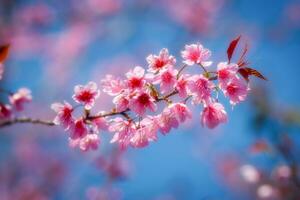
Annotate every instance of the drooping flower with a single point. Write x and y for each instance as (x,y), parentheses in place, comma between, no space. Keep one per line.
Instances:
(135,78)
(64,114)
(123,131)
(23,95)
(182,86)
(145,133)
(112,85)
(89,142)
(78,129)
(86,94)
(141,102)
(167,120)
(213,114)
(201,88)
(121,101)
(5,111)
(236,90)
(100,123)
(167,79)
(226,72)
(181,111)
(196,54)
(157,63)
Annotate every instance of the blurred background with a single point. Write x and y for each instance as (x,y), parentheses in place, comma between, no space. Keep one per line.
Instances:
(58,44)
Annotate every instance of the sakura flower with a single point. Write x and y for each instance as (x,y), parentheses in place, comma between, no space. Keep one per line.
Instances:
(226,72)
(141,102)
(236,90)
(23,95)
(64,114)
(123,131)
(136,78)
(78,129)
(122,102)
(89,142)
(139,139)
(196,54)
(182,86)
(213,115)
(167,79)
(5,111)
(100,123)
(181,111)
(201,88)
(112,85)
(86,94)
(157,63)
(167,120)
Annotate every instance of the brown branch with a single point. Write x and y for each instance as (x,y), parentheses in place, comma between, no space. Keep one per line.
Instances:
(25,120)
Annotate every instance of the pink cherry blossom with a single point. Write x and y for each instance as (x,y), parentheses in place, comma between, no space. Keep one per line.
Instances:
(123,131)
(196,54)
(121,101)
(167,79)
(141,102)
(201,88)
(236,90)
(167,120)
(226,72)
(182,86)
(112,85)
(78,129)
(100,123)
(136,78)
(86,94)
(89,142)
(181,111)
(213,114)
(146,133)
(23,95)
(64,114)
(157,63)
(5,111)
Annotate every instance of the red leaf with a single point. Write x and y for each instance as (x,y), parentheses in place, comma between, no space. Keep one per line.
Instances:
(241,61)
(246,72)
(232,47)
(4,52)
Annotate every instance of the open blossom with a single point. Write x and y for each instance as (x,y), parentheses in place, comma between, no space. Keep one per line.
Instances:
(196,54)
(78,129)
(112,85)
(5,111)
(23,95)
(141,102)
(181,111)
(167,120)
(89,142)
(121,101)
(100,123)
(236,90)
(201,88)
(124,130)
(182,86)
(226,72)
(213,115)
(146,133)
(86,94)
(136,78)
(167,79)
(157,63)
(64,114)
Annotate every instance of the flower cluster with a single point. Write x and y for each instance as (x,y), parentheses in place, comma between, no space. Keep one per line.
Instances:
(137,118)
